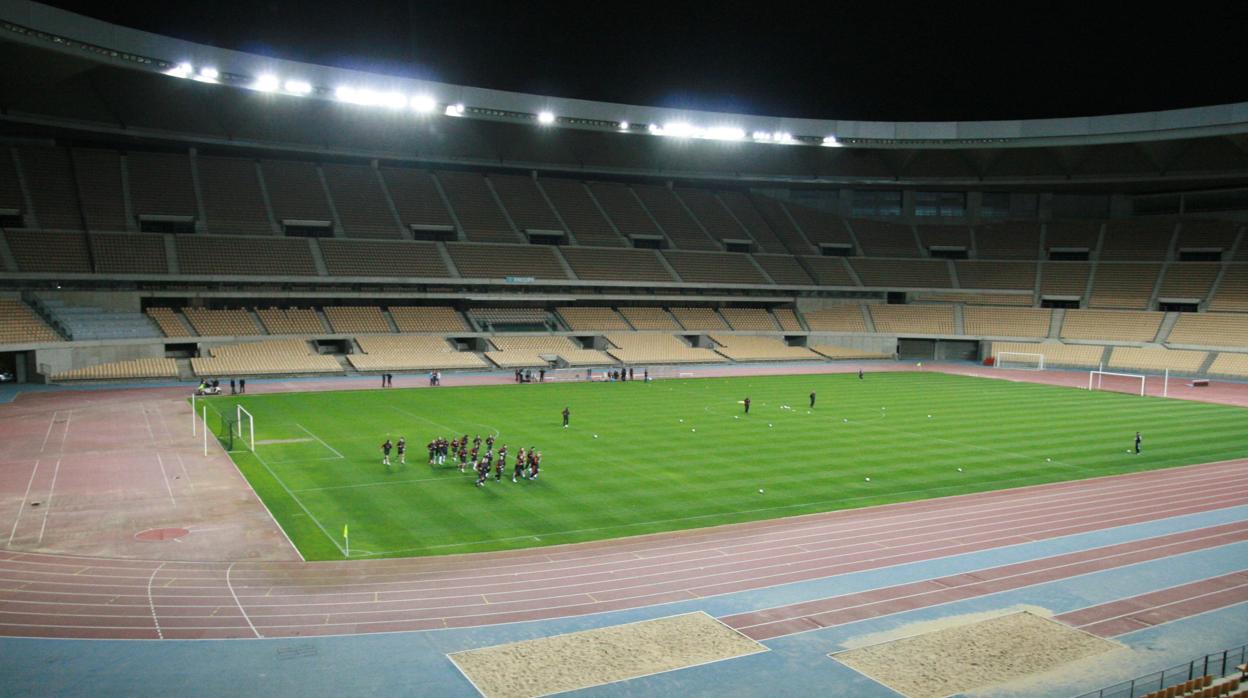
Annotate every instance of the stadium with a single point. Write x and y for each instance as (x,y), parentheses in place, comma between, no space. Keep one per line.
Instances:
(756,404)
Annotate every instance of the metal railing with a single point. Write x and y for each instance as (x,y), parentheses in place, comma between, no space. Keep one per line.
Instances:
(1217,664)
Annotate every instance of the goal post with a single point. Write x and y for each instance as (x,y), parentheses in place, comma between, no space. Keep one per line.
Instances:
(1117,381)
(246,424)
(1021,360)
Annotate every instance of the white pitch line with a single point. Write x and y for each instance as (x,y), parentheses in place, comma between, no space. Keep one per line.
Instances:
(309,433)
(151,603)
(161,463)
(298,501)
(69,417)
(48,504)
(242,610)
(24,498)
(51,423)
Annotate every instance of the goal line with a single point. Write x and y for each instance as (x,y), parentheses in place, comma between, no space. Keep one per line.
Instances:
(1096,380)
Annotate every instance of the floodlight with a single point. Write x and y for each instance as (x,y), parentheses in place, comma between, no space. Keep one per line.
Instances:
(424,104)
(454,110)
(831,142)
(209,73)
(782,137)
(655,129)
(181,70)
(344,94)
(394,100)
(266,83)
(298,87)
(545,117)
(679,129)
(723,133)
(623,126)
(762,136)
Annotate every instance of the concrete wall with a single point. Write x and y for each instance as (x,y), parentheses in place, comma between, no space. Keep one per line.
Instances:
(111,300)
(863,342)
(58,359)
(805,304)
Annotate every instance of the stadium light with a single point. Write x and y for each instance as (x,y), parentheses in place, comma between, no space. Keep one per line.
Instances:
(393,100)
(298,87)
(181,70)
(454,110)
(678,129)
(724,133)
(623,126)
(545,117)
(209,73)
(266,83)
(424,104)
(831,142)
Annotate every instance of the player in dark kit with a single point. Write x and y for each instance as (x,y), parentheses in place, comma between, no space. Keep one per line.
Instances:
(812,398)
(500,464)
(385,452)
(463,457)
(566,413)
(432,446)
(401,447)
(536,465)
(1138,439)
(483,470)
(489,442)
(476,441)
(747,405)
(519,471)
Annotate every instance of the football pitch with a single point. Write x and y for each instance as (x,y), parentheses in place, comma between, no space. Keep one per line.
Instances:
(676,454)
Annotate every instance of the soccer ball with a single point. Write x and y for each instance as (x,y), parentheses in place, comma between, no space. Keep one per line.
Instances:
(595,436)
(929,416)
(693,430)
(760,491)
(682,421)
(845,420)
(867,479)
(959,470)
(1048,460)
(769,425)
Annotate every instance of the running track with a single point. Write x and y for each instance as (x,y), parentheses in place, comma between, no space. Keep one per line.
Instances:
(61,596)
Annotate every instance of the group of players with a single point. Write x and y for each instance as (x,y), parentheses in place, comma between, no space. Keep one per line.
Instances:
(528,463)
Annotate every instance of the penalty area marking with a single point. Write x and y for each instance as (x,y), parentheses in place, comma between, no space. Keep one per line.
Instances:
(320,441)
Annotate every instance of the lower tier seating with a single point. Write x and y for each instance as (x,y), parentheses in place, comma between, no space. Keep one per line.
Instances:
(836,318)
(760,348)
(20,325)
(839,353)
(1154,360)
(658,349)
(1230,364)
(222,323)
(1111,325)
(118,370)
(757,319)
(525,352)
(699,319)
(593,319)
(411,353)
(649,318)
(428,319)
(291,321)
(357,319)
(273,356)
(169,322)
(1210,329)
(1074,355)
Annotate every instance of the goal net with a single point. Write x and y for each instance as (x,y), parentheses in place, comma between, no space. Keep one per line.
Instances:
(1132,383)
(1020,360)
(245,428)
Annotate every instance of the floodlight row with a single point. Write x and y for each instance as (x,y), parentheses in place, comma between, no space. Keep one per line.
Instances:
(428,104)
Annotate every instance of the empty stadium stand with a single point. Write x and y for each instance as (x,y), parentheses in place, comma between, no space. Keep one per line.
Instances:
(1006,322)
(1137,240)
(828,271)
(411,353)
(819,227)
(129,253)
(714,267)
(1230,364)
(1112,325)
(1013,240)
(755,319)
(478,261)
(80,322)
(913,319)
(525,203)
(272,356)
(512,319)
(20,325)
(170,322)
(784,270)
(219,255)
(780,222)
(1055,354)
(416,198)
(646,348)
(353,319)
(581,215)
(836,318)
(895,273)
(161,184)
(649,318)
(699,319)
(118,370)
(526,352)
(787,320)
(1067,279)
(50,180)
(884,239)
(98,174)
(1210,329)
(10,186)
(231,194)
(49,251)
(711,213)
(382,258)
(1197,234)
(996,274)
(624,209)
(1187,280)
(234,322)
(479,214)
(295,191)
(360,202)
(742,209)
(593,319)
(670,213)
(1232,292)
(947,236)
(428,319)
(1008,299)
(760,348)
(1126,286)
(1071,235)
(616,264)
(291,321)
(839,353)
(1154,360)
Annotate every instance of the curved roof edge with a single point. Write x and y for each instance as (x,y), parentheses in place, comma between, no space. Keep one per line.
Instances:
(51,28)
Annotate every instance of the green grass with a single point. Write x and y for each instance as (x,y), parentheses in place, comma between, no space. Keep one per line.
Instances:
(648,471)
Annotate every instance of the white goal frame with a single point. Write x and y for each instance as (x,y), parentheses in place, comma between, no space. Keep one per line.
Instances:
(248,437)
(1000,355)
(1098,377)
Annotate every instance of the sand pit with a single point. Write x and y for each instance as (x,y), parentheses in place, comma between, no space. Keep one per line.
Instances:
(973,655)
(593,657)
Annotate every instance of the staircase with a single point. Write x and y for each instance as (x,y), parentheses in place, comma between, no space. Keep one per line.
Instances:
(184,370)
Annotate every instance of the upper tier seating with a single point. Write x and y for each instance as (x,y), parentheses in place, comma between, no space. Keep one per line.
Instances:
(996,275)
(819,226)
(715,219)
(580,214)
(476,261)
(1014,299)
(222,323)
(1064,278)
(522,352)
(169,322)
(593,319)
(1077,355)
(1206,234)
(742,208)
(787,320)
(699,319)
(1153,360)
(671,214)
(774,213)
(382,258)
(490,318)
(643,348)
(291,321)
(1210,329)
(295,191)
(1188,280)
(784,270)
(1112,325)
(50,182)
(828,271)
(839,353)
(42,250)
(98,173)
(1229,364)
(161,184)
(898,273)
(411,353)
(836,318)
(428,319)
(1071,235)
(1013,240)
(649,318)
(129,253)
(883,239)
(476,209)
(272,356)
(1232,292)
(354,319)
(228,256)
(20,325)
(416,197)
(10,185)
(912,319)
(360,202)
(232,200)
(91,323)
(714,267)
(622,206)
(616,264)
(1126,286)
(1137,239)
(119,370)
(944,236)
(760,348)
(755,319)
(525,203)
(1006,322)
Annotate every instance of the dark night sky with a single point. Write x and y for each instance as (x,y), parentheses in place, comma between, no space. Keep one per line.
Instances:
(878,61)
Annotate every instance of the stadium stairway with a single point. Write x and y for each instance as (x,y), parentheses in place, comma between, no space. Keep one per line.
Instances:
(1055,323)
(394,326)
(1208,364)
(185,373)
(1167,324)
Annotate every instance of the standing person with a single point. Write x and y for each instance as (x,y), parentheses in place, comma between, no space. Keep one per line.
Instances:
(860,374)
(232,386)
(1138,439)
(519,465)
(541,375)
(812,398)
(535,466)
(401,447)
(463,455)
(630,373)
(483,470)
(645,376)
(566,413)
(747,405)
(385,452)
(499,464)
(242,385)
